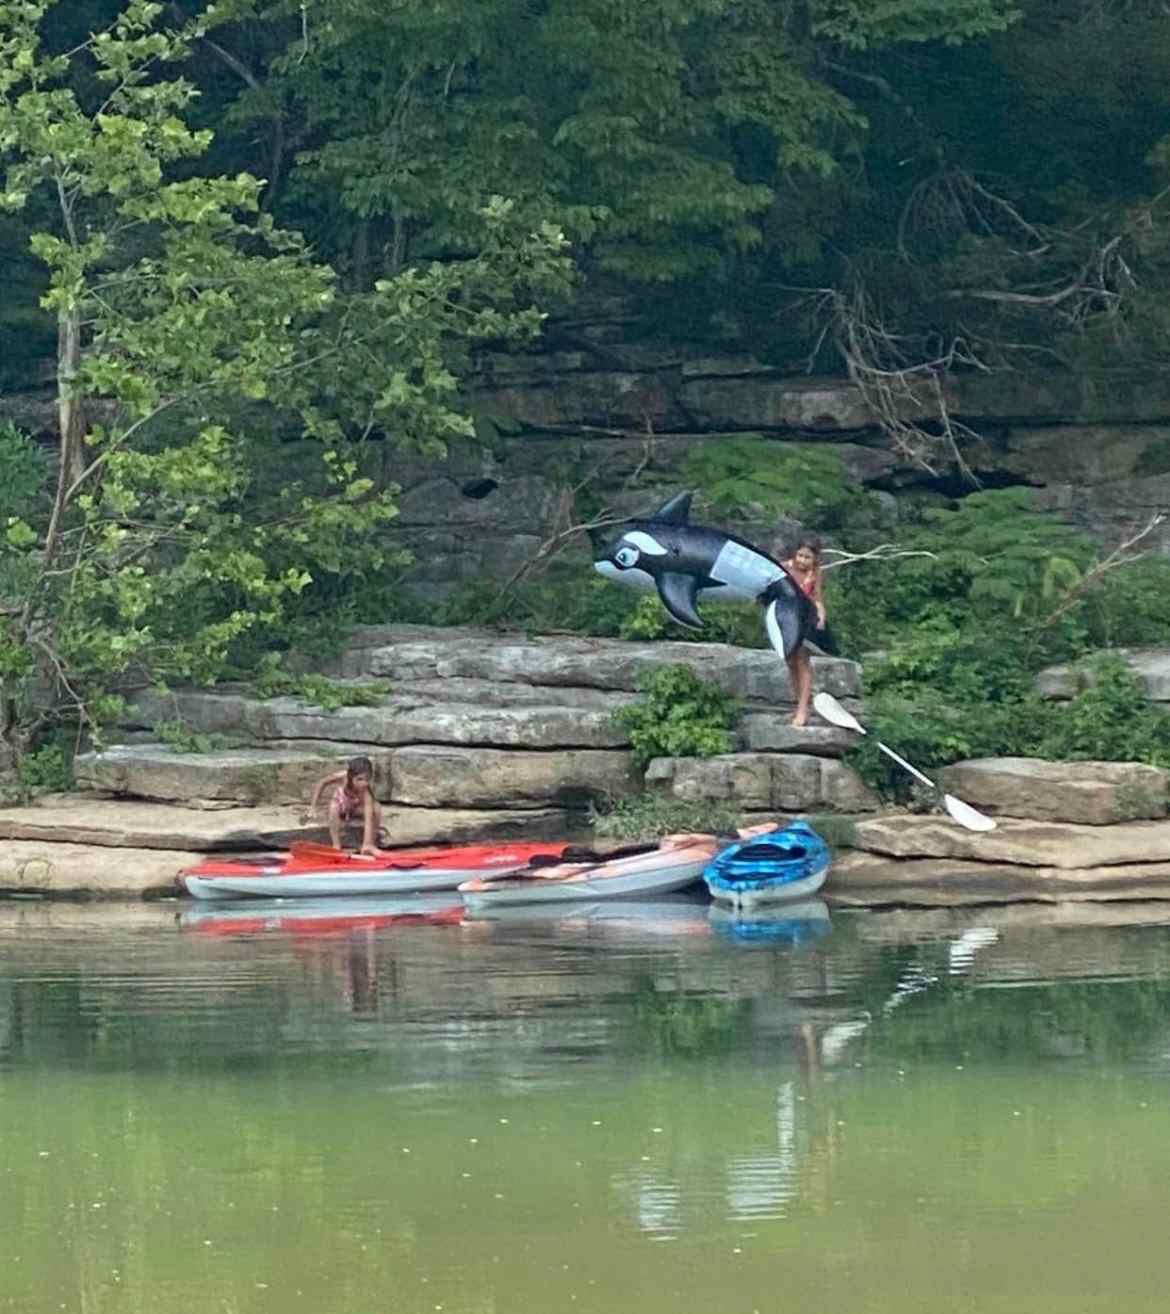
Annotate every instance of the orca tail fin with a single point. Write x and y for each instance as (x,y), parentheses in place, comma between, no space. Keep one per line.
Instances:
(785,624)
(772,626)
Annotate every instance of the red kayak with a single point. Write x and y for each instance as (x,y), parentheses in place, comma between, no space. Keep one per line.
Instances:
(310,871)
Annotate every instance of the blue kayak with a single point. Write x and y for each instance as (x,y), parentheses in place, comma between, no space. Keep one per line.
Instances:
(768,869)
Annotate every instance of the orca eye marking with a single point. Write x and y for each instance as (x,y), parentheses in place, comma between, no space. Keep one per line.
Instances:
(625,557)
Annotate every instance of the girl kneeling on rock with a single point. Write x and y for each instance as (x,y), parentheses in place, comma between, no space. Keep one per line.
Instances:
(353,801)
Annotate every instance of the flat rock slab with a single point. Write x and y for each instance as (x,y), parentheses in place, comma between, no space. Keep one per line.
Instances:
(869,880)
(1087,793)
(498,693)
(1151,666)
(89,871)
(1018,843)
(397,720)
(422,775)
(438,776)
(773,782)
(772,732)
(248,776)
(467,825)
(570,662)
(119,823)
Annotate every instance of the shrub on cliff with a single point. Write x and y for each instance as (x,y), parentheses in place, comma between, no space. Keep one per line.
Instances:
(1111,720)
(677,714)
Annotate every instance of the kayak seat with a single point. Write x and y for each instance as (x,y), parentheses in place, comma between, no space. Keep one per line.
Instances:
(580,853)
(770,853)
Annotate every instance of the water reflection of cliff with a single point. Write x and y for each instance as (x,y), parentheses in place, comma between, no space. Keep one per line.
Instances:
(593,983)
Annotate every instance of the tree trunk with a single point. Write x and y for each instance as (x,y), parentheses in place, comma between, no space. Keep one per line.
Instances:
(361,256)
(70,411)
(71,433)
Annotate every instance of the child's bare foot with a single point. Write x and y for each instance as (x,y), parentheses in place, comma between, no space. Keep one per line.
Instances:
(800,720)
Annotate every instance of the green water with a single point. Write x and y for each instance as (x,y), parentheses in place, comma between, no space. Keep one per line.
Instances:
(597,1110)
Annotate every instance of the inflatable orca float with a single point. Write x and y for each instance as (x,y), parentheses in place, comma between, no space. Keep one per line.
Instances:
(682,561)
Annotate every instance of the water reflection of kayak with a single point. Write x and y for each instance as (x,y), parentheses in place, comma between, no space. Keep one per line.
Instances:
(323,916)
(677,915)
(790,923)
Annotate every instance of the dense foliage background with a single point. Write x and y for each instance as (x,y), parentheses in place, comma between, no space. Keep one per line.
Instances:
(245,237)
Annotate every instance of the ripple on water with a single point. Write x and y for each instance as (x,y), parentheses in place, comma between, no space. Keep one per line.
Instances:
(913,1111)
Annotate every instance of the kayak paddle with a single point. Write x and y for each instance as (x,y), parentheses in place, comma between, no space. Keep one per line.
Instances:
(963,813)
(315,852)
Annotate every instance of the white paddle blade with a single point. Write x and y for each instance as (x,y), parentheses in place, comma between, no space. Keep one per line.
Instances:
(967,816)
(828,707)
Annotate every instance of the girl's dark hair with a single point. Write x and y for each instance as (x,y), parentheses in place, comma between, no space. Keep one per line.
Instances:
(783,552)
(358,766)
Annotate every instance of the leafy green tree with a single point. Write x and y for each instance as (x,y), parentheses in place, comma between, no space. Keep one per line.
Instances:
(749,476)
(196,339)
(669,135)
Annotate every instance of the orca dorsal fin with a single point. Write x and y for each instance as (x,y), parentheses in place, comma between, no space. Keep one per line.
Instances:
(674,511)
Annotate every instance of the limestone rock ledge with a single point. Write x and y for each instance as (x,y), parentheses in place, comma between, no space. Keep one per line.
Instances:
(81,820)
(763,782)
(477,720)
(1017,843)
(489,736)
(869,880)
(417,775)
(35,867)
(411,654)
(1087,793)
(1151,667)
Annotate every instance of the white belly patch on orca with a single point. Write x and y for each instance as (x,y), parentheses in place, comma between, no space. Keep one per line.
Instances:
(635,578)
(744,569)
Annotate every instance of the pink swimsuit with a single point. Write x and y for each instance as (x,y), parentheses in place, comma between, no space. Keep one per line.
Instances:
(346,804)
(806,584)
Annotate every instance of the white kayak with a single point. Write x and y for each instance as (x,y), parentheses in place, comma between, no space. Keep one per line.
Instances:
(677,862)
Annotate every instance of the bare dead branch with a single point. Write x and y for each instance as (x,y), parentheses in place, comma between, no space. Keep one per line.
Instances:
(551,547)
(648,445)
(1122,555)
(904,387)
(952,202)
(883,552)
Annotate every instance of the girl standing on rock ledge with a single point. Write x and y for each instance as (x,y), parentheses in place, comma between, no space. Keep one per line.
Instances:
(804,565)
(352,798)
